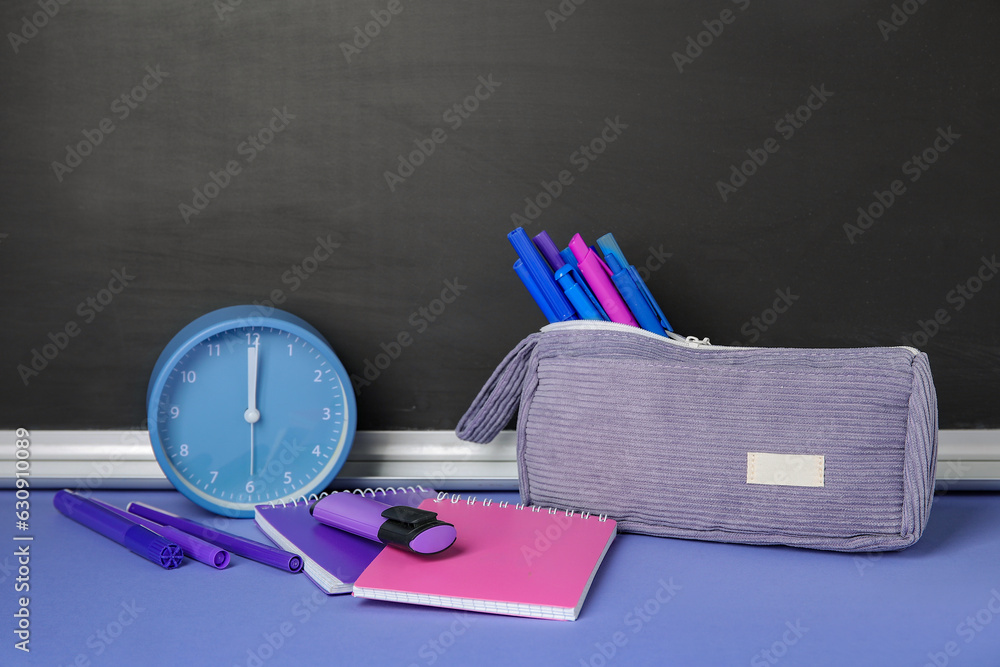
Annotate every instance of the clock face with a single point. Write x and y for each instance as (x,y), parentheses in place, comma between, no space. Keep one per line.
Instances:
(250,415)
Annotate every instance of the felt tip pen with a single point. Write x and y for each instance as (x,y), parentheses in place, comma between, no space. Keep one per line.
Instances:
(539,272)
(633,288)
(549,251)
(240,546)
(598,277)
(587,306)
(529,282)
(128,533)
(410,528)
(198,549)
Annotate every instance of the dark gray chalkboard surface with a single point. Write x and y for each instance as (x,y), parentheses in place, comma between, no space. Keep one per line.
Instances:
(784,173)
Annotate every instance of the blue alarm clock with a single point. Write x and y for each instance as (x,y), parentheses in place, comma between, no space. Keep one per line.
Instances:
(245,409)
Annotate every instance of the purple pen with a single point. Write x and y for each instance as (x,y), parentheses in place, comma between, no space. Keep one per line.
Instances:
(238,545)
(194,547)
(125,532)
(411,528)
(549,251)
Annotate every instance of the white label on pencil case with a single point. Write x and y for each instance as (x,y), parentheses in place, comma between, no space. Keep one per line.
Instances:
(784,469)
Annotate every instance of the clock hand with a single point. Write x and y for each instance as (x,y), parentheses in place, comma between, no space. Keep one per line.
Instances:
(252,414)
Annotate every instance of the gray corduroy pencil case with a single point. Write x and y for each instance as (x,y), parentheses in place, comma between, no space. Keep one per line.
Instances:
(819,448)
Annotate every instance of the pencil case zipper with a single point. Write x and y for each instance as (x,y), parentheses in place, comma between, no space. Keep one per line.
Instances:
(690,342)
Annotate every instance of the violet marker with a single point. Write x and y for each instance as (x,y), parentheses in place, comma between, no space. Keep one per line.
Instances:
(196,548)
(128,533)
(238,545)
(410,528)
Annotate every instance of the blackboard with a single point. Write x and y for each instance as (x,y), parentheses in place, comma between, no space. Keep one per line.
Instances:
(783,173)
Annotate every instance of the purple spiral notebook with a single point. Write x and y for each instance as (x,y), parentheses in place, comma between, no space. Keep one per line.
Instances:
(333,559)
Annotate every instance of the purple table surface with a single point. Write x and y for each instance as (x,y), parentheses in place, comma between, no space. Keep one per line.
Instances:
(654,601)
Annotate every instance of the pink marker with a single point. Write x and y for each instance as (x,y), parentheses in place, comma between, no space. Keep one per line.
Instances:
(597,274)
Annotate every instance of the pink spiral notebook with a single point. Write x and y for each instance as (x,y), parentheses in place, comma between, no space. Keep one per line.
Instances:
(508,559)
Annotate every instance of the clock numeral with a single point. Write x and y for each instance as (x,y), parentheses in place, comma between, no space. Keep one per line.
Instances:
(253,338)
(188,377)
(319,376)
(175,412)
(215,473)
(289,349)
(214,350)
(316,451)
(184,449)
(249,486)
(326,414)
(288,478)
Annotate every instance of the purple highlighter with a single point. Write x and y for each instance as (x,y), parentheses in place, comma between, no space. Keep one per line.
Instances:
(410,528)
(125,532)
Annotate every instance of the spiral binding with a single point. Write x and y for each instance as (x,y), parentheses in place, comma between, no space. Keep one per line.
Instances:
(385,491)
(457,498)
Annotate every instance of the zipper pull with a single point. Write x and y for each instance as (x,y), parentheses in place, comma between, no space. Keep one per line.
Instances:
(690,341)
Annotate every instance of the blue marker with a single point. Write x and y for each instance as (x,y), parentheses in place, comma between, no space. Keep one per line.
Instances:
(529,282)
(579,294)
(557,308)
(632,288)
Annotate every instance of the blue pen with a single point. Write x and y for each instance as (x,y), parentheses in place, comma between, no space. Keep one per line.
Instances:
(540,274)
(579,294)
(529,282)
(568,257)
(633,290)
